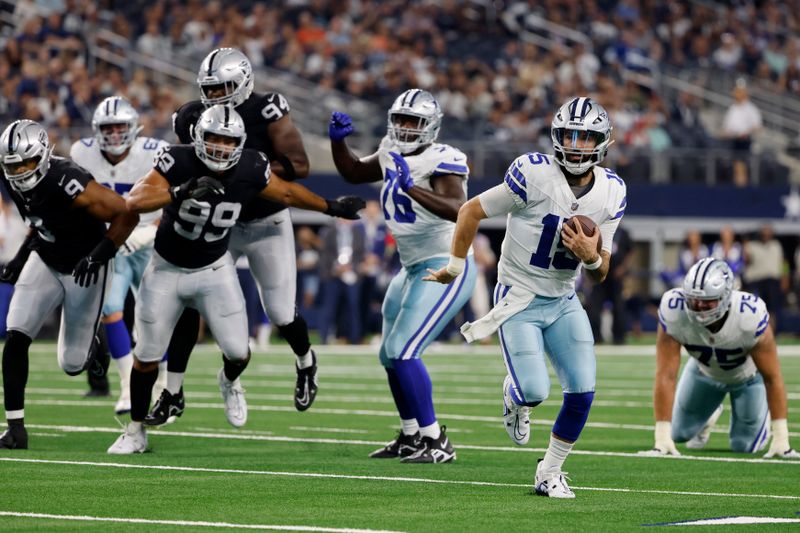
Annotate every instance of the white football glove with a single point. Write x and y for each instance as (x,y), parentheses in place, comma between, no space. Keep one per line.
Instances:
(664,443)
(138,239)
(779,447)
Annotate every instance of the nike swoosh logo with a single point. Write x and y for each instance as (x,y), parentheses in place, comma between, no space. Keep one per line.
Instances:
(304,399)
(217,267)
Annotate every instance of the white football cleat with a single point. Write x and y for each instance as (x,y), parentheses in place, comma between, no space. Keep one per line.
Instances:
(133,440)
(699,441)
(233,396)
(551,484)
(516,417)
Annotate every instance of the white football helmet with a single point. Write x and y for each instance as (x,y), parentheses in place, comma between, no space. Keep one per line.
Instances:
(226,68)
(115,110)
(21,141)
(220,120)
(422,106)
(579,119)
(708,280)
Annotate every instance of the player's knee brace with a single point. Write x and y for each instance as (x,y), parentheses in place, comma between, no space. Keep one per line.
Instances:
(573,415)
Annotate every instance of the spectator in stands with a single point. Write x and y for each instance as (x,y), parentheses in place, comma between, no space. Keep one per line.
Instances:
(692,251)
(742,121)
(728,250)
(764,270)
(308,246)
(486,262)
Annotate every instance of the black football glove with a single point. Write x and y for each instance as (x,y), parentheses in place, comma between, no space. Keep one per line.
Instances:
(10,273)
(87,271)
(196,188)
(345,207)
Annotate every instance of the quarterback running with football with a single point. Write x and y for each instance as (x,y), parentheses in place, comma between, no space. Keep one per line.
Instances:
(116,156)
(733,352)
(424,185)
(203,188)
(536,309)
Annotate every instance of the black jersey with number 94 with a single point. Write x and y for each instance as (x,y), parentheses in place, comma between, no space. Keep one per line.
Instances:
(194,233)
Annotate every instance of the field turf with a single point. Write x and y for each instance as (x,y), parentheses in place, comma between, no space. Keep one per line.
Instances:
(310,472)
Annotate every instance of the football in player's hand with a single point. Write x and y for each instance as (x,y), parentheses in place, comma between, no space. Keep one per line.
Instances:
(587,225)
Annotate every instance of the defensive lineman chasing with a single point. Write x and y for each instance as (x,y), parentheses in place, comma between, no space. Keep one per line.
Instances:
(202,188)
(63,261)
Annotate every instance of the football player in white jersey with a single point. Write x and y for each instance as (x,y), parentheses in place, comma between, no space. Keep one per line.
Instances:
(117,157)
(424,185)
(536,310)
(732,349)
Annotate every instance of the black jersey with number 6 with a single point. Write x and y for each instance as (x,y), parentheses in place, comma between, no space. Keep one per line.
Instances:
(64,234)
(258,111)
(195,233)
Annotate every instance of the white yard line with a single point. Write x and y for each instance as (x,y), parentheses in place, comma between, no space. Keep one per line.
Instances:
(191,523)
(320,475)
(222,434)
(360,412)
(732,520)
(436,349)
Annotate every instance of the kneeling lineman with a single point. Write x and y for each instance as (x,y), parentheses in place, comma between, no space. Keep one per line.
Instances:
(732,349)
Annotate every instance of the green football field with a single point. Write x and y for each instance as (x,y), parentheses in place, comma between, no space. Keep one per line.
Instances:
(310,472)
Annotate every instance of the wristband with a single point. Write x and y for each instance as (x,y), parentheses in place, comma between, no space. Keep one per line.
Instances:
(594,266)
(663,430)
(780,434)
(456,265)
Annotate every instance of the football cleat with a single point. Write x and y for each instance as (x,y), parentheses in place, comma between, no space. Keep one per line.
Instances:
(551,484)
(97,362)
(433,450)
(699,441)
(233,396)
(516,417)
(14,438)
(166,410)
(403,446)
(133,440)
(305,390)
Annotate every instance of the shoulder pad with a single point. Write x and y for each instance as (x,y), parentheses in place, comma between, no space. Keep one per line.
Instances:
(672,310)
(273,107)
(752,311)
(448,160)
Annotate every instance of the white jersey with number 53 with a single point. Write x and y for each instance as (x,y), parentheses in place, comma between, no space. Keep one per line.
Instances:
(420,234)
(122,176)
(538,201)
(723,355)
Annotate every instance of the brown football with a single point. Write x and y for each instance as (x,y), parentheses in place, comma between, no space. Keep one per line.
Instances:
(588,226)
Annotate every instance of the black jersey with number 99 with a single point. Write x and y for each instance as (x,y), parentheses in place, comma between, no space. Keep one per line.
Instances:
(194,233)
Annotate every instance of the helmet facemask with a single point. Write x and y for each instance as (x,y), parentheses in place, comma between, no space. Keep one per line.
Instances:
(229,72)
(581,134)
(25,154)
(115,124)
(709,281)
(415,119)
(217,154)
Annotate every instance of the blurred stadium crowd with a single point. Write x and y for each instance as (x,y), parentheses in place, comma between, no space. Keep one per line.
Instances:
(492,84)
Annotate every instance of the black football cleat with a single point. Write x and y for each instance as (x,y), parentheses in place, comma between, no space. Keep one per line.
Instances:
(433,450)
(168,407)
(305,390)
(403,446)
(14,438)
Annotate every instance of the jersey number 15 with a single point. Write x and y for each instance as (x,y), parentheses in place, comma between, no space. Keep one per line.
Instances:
(541,257)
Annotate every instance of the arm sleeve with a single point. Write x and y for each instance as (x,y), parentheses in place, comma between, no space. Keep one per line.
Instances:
(497,201)
(607,230)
